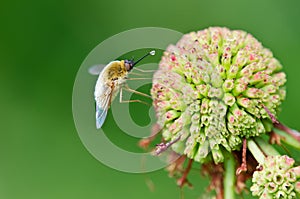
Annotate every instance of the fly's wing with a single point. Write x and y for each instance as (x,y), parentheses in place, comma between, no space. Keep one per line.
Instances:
(96,69)
(102,105)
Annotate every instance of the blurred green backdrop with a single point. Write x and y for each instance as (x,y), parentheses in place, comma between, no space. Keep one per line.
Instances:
(43,43)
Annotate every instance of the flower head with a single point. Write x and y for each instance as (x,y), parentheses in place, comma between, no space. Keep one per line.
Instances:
(212,90)
(277,179)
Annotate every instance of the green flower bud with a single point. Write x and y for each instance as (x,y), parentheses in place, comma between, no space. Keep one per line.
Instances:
(215,83)
(277,179)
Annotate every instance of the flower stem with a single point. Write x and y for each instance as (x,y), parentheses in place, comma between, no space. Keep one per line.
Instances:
(266,147)
(183,180)
(243,167)
(287,138)
(229,177)
(295,134)
(256,152)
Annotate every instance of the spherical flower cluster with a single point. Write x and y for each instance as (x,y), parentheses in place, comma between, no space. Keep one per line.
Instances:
(277,179)
(214,88)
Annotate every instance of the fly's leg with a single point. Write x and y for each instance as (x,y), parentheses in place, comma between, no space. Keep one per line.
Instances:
(138,78)
(136,92)
(137,74)
(144,71)
(129,101)
(148,72)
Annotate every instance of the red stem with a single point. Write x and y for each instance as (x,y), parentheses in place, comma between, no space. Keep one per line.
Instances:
(183,180)
(243,166)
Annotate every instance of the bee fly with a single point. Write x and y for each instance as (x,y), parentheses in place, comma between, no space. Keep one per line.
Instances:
(111,80)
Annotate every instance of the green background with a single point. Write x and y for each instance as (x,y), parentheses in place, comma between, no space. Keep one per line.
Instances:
(42,45)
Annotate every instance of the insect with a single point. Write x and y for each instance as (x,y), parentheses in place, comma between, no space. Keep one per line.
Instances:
(111,80)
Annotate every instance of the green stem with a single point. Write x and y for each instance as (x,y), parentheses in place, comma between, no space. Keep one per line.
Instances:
(229,177)
(287,138)
(266,147)
(256,152)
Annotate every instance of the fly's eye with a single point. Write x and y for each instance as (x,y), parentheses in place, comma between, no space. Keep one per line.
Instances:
(127,66)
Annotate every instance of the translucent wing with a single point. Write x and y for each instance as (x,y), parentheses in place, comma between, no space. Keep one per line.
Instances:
(96,69)
(102,105)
